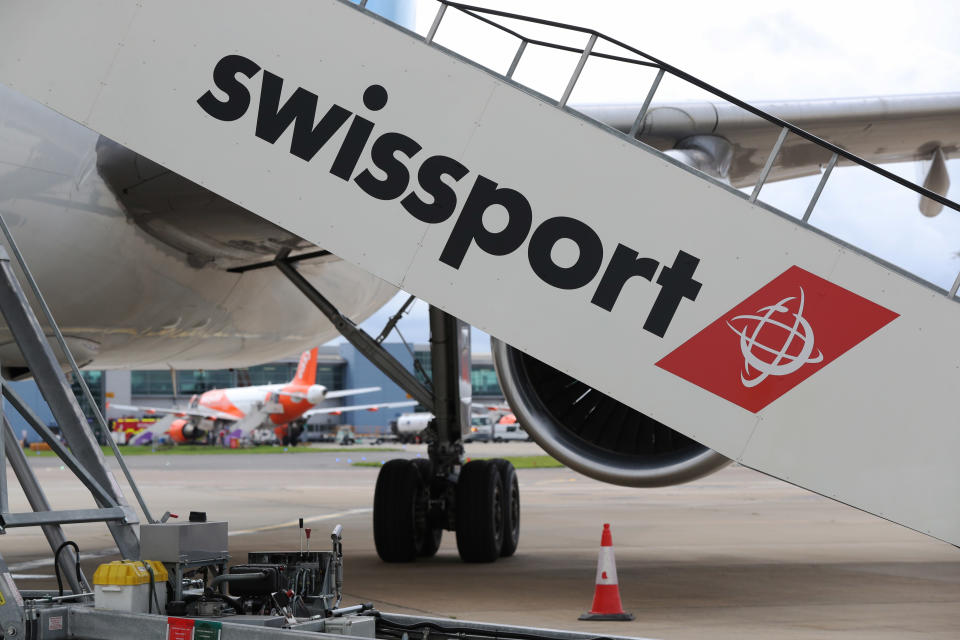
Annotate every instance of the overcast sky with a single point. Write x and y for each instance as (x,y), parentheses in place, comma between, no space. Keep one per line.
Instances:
(755,50)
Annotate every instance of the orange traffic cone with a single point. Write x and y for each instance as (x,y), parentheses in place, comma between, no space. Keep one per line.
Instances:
(606,598)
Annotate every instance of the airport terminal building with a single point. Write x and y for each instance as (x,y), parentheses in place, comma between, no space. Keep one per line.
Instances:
(338,367)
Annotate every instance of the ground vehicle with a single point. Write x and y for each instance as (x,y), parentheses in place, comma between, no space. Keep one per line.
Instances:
(345,436)
(263,436)
(504,432)
(481,429)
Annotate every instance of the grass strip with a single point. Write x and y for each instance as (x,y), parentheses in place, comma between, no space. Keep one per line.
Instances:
(202,449)
(520,462)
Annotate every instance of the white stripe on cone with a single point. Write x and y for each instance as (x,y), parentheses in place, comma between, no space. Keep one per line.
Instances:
(606,567)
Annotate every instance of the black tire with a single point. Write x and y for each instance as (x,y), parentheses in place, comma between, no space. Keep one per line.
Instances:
(399,511)
(431,536)
(511,506)
(479,512)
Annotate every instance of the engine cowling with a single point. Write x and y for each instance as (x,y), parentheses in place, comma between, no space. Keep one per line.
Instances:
(316,393)
(591,432)
(182,431)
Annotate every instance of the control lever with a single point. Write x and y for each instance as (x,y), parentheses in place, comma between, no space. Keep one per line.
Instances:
(281,601)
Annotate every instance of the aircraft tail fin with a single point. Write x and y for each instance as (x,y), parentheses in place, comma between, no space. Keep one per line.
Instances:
(307,369)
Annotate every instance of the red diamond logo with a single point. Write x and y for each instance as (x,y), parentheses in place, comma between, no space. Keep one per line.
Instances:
(776,338)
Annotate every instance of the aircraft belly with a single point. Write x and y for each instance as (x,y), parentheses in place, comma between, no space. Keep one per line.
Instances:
(125,298)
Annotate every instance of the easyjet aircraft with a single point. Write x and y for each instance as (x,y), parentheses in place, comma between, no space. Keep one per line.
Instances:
(240,410)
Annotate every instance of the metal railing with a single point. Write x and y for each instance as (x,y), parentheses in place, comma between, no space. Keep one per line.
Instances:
(663,68)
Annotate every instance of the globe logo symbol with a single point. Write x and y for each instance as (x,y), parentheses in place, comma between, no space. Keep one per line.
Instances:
(763,360)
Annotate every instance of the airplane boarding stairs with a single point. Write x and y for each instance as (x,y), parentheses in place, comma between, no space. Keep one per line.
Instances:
(746,329)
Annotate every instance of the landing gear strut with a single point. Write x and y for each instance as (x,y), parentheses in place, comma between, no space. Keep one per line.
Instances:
(479,500)
(415,500)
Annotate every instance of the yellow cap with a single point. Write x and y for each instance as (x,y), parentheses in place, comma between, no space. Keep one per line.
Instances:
(124,572)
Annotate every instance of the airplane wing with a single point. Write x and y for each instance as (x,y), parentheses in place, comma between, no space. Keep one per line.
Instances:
(350,392)
(197,412)
(332,394)
(878,129)
(359,407)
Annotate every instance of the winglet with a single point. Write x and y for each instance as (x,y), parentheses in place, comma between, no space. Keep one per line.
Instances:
(307,369)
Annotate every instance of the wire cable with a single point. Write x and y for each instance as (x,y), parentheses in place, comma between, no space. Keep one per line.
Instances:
(56,563)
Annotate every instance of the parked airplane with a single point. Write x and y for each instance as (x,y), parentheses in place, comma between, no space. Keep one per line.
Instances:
(158,250)
(240,410)
(136,260)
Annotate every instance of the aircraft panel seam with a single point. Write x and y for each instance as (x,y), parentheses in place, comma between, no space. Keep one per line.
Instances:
(463,152)
(113,61)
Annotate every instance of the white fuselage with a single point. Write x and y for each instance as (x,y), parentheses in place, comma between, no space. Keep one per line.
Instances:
(279,403)
(123,298)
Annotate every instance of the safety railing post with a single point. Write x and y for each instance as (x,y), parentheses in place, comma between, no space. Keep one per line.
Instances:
(769,165)
(436,22)
(516,58)
(820,185)
(956,285)
(635,129)
(578,70)
(4,503)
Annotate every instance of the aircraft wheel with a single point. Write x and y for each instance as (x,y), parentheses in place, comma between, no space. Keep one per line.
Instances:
(479,512)
(511,506)
(431,536)
(295,431)
(399,511)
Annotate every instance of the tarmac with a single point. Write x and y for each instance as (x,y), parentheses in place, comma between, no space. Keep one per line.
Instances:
(734,555)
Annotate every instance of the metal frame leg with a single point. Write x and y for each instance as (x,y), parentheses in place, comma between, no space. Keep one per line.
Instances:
(38,502)
(53,385)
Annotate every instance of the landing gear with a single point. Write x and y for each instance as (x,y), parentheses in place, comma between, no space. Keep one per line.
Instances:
(511,507)
(412,505)
(400,504)
(432,530)
(416,500)
(294,431)
(479,512)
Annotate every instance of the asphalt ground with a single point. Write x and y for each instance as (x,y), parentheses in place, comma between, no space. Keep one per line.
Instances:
(734,555)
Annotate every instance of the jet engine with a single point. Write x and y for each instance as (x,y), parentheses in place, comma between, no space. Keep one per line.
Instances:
(182,431)
(316,393)
(591,432)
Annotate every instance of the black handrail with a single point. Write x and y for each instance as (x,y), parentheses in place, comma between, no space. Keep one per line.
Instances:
(550,45)
(473,10)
